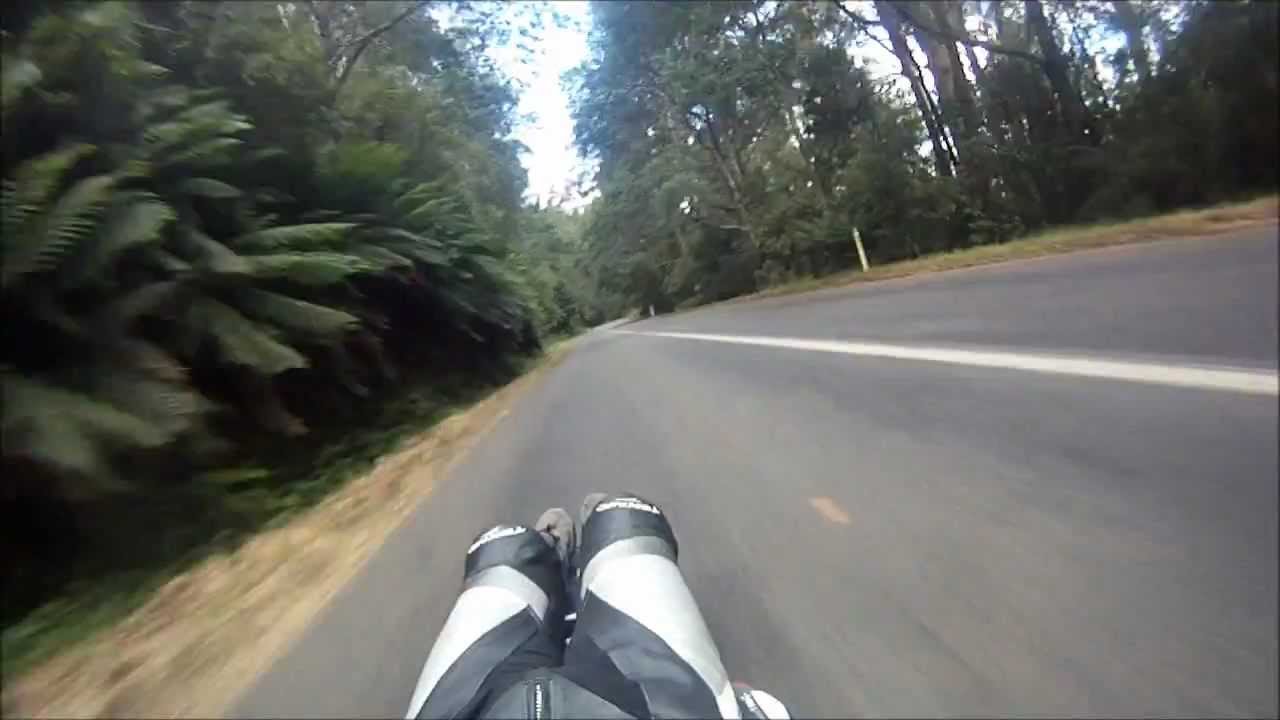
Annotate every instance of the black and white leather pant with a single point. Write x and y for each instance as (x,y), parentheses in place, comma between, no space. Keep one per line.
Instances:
(640,647)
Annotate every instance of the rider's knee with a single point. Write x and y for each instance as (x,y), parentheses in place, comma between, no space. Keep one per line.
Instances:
(623,526)
(518,559)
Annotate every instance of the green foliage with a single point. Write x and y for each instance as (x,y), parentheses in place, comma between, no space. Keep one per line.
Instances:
(222,230)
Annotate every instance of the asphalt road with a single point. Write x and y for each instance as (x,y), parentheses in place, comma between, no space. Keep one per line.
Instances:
(874,536)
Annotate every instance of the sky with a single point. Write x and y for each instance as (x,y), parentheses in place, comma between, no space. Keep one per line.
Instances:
(553,163)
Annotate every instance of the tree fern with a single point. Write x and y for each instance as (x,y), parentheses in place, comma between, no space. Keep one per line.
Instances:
(70,430)
(297,316)
(240,340)
(313,268)
(242,289)
(299,237)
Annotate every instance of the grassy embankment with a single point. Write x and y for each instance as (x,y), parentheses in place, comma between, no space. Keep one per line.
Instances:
(1053,241)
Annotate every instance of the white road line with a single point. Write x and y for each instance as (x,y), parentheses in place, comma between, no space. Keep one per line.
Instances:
(1252,382)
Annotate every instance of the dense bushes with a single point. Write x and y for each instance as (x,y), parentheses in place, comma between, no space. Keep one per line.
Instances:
(224,229)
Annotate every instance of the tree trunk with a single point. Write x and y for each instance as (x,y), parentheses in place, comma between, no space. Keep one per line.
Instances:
(892,24)
(949,18)
(1075,115)
(792,97)
(1009,32)
(955,94)
(1132,25)
(999,118)
(731,173)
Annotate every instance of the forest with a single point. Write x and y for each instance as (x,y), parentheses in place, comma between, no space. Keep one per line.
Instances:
(237,235)
(741,143)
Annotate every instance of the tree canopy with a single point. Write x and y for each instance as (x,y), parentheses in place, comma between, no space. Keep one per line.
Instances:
(740,143)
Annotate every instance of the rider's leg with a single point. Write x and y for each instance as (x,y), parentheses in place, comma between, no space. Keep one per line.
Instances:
(640,639)
(508,619)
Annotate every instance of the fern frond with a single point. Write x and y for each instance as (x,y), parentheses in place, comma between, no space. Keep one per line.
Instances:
(208,187)
(15,78)
(423,254)
(310,268)
(240,340)
(312,235)
(113,319)
(266,154)
(207,119)
(211,256)
(167,261)
(127,225)
(209,152)
(68,430)
(40,244)
(412,245)
(406,236)
(433,212)
(295,315)
(162,99)
(316,216)
(418,194)
(272,195)
(380,256)
(36,180)
(170,407)
(148,360)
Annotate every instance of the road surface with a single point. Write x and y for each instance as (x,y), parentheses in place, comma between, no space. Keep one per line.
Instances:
(876,535)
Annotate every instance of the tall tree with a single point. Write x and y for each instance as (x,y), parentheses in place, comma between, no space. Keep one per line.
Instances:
(1132,23)
(1079,121)
(891,19)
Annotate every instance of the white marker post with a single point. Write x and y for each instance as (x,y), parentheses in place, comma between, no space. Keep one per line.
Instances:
(862,254)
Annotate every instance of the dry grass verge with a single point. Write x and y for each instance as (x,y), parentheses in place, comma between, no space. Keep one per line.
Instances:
(199,640)
(1186,223)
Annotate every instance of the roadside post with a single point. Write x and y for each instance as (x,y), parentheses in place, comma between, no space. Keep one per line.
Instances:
(862,254)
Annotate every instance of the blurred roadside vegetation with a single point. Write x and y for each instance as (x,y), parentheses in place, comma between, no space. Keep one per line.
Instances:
(247,248)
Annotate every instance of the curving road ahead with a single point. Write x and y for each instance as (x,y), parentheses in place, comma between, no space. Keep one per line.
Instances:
(895,528)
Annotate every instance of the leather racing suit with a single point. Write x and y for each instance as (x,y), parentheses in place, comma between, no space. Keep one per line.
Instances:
(640,647)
